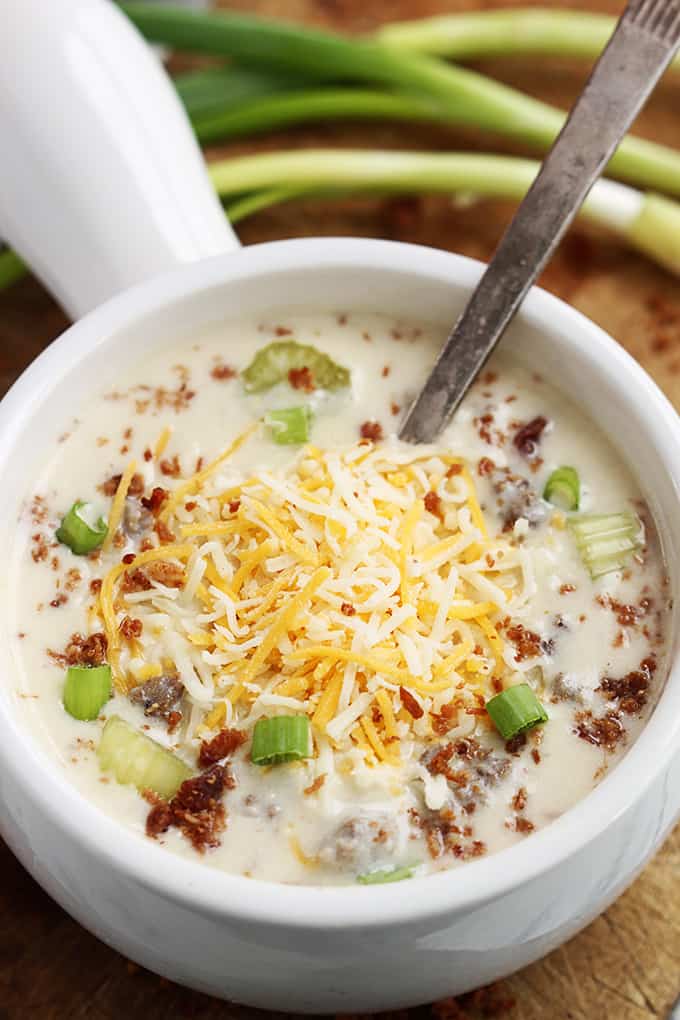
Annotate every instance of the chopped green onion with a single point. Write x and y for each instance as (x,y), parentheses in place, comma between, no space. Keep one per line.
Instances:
(563,488)
(606,541)
(86,691)
(80,531)
(290,425)
(280,739)
(137,760)
(385,876)
(516,710)
(272,364)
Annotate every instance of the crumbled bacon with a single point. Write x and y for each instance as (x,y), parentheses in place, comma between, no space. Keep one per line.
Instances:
(527,643)
(196,809)
(155,501)
(169,574)
(170,466)
(605,731)
(529,436)
(234,506)
(519,801)
(410,703)
(221,746)
(222,372)
(632,690)
(130,628)
(433,503)
(95,585)
(523,825)
(302,379)
(165,534)
(110,486)
(371,430)
(485,466)
(80,651)
(134,580)
(40,550)
(347,609)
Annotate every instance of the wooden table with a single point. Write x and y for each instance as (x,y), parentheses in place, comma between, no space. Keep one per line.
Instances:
(626,965)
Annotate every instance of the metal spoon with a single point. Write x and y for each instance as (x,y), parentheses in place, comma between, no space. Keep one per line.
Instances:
(643,44)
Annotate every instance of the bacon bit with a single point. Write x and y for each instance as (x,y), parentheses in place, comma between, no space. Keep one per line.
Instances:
(516,744)
(155,501)
(395,408)
(443,722)
(455,469)
(221,746)
(410,704)
(196,809)
(605,731)
(191,505)
(302,379)
(199,464)
(80,651)
(129,558)
(135,581)
(222,372)
(170,574)
(433,503)
(347,609)
(528,437)
(95,585)
(40,550)
(632,690)
(234,506)
(566,589)
(164,533)
(171,467)
(527,642)
(536,755)
(519,801)
(385,371)
(371,430)
(60,600)
(524,826)
(341,320)
(148,455)
(283,331)
(485,466)
(130,628)
(315,786)
(110,486)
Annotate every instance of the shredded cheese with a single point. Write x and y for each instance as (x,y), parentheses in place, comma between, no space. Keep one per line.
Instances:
(118,505)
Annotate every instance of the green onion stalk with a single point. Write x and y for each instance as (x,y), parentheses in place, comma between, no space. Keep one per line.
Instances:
(521,32)
(649,223)
(471,98)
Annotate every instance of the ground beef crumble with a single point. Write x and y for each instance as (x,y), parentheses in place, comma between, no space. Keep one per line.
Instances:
(160,697)
(197,809)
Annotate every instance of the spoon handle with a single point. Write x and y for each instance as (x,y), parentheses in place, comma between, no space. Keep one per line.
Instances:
(639,51)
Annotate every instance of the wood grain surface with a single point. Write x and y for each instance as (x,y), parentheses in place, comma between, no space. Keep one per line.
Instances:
(626,965)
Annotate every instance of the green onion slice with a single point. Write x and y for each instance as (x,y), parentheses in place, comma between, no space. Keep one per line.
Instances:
(385,876)
(563,488)
(272,364)
(86,690)
(606,541)
(137,760)
(280,739)
(80,530)
(290,425)
(516,710)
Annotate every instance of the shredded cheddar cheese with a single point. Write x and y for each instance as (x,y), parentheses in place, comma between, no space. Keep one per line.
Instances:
(324,588)
(118,505)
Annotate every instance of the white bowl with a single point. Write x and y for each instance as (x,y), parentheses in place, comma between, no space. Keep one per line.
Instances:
(319,949)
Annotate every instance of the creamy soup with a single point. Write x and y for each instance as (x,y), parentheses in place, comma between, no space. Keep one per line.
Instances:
(297,649)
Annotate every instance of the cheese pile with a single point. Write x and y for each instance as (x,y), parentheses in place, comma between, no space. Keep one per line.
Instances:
(328,588)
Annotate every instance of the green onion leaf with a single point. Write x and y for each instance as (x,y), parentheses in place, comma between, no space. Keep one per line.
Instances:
(385,876)
(137,760)
(280,739)
(80,531)
(86,691)
(272,364)
(516,710)
(563,488)
(606,541)
(290,425)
